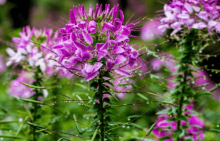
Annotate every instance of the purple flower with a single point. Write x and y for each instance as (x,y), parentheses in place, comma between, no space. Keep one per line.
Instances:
(191,14)
(32,53)
(150,30)
(165,127)
(96,35)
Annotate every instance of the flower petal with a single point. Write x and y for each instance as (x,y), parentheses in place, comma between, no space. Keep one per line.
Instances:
(122,72)
(87,37)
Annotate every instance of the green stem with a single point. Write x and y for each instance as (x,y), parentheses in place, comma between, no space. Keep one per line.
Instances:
(37,82)
(181,103)
(102,110)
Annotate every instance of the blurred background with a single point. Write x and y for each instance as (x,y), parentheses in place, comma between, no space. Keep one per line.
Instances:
(15,14)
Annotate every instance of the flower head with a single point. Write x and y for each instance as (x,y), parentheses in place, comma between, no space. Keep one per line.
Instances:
(33,46)
(96,37)
(165,127)
(191,14)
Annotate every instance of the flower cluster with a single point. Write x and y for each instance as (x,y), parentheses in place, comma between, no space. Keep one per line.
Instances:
(95,40)
(191,14)
(18,89)
(194,125)
(33,47)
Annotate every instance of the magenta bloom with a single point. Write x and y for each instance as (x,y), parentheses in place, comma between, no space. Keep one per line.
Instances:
(18,89)
(99,36)
(166,128)
(191,14)
(150,30)
(32,47)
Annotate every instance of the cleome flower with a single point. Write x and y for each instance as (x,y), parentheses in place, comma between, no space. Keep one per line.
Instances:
(95,40)
(166,127)
(191,14)
(33,46)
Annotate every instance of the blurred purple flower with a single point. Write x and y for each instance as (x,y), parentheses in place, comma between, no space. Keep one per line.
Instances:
(18,89)
(191,14)
(33,46)
(150,30)
(165,127)
(2,64)
(2,2)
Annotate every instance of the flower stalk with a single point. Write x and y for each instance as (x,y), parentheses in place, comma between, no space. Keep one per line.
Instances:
(183,92)
(36,96)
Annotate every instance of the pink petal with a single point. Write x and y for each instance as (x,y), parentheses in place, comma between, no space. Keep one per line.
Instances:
(97,66)
(119,59)
(122,72)
(118,50)
(121,38)
(87,37)
(58,46)
(91,76)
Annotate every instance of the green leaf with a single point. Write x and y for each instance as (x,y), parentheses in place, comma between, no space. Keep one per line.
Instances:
(76,123)
(182,134)
(5,122)
(94,135)
(32,86)
(107,74)
(32,101)
(137,126)
(188,139)
(164,138)
(154,77)
(124,84)
(150,129)
(6,136)
(143,97)
(82,86)
(35,125)
(133,116)
(165,111)
(215,130)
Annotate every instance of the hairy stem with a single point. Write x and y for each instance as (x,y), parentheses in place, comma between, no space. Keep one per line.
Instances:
(102,110)
(181,106)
